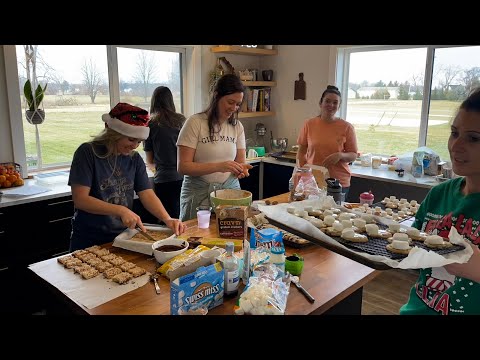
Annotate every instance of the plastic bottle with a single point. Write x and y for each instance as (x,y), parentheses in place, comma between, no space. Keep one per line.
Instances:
(230,266)
(277,258)
(334,189)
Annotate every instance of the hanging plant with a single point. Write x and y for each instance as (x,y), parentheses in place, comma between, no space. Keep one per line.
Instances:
(34,114)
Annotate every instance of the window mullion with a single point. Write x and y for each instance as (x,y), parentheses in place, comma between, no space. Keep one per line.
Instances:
(422,136)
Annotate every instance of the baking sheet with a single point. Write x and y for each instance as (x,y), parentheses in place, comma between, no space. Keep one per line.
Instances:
(124,240)
(417,258)
(89,293)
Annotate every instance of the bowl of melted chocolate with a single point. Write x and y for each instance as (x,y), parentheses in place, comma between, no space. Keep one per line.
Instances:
(166,249)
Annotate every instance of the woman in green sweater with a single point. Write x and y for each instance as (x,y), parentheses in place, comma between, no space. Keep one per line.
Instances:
(455,288)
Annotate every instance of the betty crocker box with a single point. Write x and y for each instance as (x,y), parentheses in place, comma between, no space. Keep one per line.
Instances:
(205,285)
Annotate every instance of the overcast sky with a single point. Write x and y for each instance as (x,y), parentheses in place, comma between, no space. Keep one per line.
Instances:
(400,65)
(67,60)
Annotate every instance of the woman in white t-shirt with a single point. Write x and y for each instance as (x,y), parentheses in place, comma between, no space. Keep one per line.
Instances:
(211,147)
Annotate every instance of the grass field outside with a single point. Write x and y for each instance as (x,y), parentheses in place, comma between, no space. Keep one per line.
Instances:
(382,126)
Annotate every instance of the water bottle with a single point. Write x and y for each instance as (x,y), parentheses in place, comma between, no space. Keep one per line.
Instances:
(334,189)
(232,276)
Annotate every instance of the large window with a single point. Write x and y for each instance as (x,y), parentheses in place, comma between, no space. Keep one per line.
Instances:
(400,98)
(84,82)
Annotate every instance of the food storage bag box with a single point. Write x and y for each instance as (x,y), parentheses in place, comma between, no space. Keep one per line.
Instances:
(205,285)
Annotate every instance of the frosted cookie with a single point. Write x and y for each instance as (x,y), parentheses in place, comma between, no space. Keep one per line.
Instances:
(391,205)
(368,218)
(291,209)
(335,229)
(350,235)
(394,228)
(317,223)
(301,213)
(317,213)
(308,209)
(359,224)
(400,237)
(436,242)
(374,232)
(399,247)
(329,220)
(416,234)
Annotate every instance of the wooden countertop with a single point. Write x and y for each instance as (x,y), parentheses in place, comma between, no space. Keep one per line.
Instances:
(328,276)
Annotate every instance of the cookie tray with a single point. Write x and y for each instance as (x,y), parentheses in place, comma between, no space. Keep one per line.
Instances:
(373,246)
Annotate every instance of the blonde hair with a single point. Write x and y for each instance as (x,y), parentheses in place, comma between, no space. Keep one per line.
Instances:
(108,138)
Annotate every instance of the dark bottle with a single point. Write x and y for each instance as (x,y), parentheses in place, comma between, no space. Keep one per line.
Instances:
(334,189)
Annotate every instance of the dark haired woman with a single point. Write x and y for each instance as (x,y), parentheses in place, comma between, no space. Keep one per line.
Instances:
(211,147)
(455,288)
(329,141)
(161,149)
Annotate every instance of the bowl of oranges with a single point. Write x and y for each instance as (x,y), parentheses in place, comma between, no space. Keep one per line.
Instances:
(10,175)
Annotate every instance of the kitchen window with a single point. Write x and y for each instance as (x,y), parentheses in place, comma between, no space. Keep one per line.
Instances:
(84,82)
(402,97)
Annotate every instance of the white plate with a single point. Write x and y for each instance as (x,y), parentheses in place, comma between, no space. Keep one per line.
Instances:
(123,240)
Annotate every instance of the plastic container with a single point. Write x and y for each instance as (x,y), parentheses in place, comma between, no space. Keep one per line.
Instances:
(367,198)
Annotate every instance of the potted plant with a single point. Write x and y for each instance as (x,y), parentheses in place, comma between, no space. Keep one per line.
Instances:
(34,114)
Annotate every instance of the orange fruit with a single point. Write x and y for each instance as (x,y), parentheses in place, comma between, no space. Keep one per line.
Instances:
(18,182)
(2,179)
(7,184)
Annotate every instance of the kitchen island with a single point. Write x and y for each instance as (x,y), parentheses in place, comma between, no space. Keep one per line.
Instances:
(335,282)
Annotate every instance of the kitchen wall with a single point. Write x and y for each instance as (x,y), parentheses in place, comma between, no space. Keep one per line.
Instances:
(315,61)
(6,146)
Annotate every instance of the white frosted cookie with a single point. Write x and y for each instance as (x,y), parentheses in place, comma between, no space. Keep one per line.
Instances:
(416,234)
(350,235)
(335,229)
(400,237)
(436,242)
(374,232)
(399,247)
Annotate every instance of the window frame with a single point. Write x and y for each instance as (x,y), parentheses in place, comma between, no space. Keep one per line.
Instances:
(342,66)
(190,66)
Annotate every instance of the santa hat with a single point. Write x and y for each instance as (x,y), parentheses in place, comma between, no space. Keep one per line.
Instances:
(128,120)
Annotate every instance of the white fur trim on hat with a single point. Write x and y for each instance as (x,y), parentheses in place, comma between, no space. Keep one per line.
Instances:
(137,132)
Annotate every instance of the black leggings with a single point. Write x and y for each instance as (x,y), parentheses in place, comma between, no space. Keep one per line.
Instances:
(169,194)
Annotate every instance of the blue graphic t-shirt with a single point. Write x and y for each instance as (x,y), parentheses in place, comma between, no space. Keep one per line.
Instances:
(114,180)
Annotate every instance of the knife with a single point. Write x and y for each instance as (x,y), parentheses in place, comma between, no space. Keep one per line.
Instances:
(145,235)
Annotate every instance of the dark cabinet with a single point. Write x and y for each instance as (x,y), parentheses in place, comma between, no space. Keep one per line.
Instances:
(252,182)
(30,233)
(275,179)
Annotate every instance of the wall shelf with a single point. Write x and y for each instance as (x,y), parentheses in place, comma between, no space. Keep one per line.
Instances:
(240,50)
(251,114)
(259,83)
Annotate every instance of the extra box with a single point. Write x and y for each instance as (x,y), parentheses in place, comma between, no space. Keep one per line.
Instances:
(232,221)
(205,286)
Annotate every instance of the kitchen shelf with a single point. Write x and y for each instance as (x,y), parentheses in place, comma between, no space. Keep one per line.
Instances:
(259,83)
(251,114)
(240,50)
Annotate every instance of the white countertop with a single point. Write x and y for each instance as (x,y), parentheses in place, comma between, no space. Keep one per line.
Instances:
(382,174)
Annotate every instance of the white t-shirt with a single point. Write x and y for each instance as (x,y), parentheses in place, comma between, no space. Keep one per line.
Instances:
(221,147)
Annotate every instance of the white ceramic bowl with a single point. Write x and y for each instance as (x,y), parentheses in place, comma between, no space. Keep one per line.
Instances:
(163,256)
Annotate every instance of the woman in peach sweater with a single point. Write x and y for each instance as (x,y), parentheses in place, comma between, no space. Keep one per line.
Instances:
(329,141)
